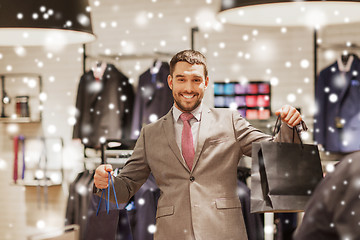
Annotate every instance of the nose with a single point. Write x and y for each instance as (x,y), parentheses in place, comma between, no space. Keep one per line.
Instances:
(188,87)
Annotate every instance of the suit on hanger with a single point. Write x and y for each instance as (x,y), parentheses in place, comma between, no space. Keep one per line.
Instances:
(153,98)
(253,223)
(337,94)
(104,107)
(201,203)
(78,201)
(146,200)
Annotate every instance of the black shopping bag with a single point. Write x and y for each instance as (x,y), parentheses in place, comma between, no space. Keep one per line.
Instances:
(110,224)
(283,175)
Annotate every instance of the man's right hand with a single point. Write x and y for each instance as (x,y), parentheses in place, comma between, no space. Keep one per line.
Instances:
(101,176)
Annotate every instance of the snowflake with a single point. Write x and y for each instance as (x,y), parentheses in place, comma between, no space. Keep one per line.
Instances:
(151,228)
(141,201)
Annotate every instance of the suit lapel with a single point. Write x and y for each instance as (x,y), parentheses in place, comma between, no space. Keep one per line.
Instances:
(168,126)
(345,90)
(347,78)
(94,95)
(205,123)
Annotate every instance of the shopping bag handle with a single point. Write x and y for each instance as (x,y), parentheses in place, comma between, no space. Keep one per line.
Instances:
(112,183)
(107,200)
(264,180)
(278,125)
(98,208)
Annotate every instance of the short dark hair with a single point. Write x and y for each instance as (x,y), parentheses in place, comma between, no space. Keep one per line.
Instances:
(189,56)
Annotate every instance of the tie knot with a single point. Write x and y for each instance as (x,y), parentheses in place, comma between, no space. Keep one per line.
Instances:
(186,116)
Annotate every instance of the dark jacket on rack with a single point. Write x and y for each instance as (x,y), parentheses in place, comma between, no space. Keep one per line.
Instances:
(78,201)
(337,96)
(253,223)
(104,107)
(332,212)
(146,200)
(153,98)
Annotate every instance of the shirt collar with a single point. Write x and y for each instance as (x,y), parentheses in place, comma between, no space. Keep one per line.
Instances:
(196,112)
(347,67)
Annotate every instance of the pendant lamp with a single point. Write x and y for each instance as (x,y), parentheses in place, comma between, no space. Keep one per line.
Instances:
(44,22)
(310,13)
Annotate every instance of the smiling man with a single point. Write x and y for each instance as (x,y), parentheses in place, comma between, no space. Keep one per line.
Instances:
(193,153)
(188,82)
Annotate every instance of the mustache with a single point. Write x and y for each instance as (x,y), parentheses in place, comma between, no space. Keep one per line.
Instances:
(189,93)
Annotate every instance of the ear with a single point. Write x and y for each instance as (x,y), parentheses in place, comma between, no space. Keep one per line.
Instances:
(206,82)
(170,82)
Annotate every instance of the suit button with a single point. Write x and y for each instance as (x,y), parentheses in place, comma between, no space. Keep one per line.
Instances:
(192,179)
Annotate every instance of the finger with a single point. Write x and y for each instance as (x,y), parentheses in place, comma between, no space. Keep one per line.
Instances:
(108,168)
(285,111)
(100,171)
(292,121)
(100,182)
(291,112)
(101,177)
(281,111)
(101,185)
(298,120)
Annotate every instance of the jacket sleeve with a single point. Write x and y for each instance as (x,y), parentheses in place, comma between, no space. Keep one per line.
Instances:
(137,111)
(79,108)
(320,114)
(246,134)
(133,175)
(128,108)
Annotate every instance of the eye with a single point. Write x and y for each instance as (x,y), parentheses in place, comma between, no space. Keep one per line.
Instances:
(197,80)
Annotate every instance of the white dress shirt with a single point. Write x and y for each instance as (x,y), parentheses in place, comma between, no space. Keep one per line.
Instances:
(194,123)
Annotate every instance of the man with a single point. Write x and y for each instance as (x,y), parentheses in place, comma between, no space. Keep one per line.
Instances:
(195,170)
(333,211)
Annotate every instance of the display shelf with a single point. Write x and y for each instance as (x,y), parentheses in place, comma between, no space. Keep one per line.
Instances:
(118,162)
(21,97)
(36,183)
(242,94)
(18,120)
(252,99)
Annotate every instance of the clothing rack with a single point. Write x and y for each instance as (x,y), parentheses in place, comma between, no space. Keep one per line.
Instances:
(113,151)
(351,49)
(44,153)
(155,54)
(42,165)
(116,58)
(337,46)
(124,57)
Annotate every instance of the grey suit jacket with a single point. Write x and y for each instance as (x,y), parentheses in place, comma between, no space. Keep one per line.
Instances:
(200,203)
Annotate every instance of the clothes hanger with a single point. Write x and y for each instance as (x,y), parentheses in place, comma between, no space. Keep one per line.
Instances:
(156,66)
(344,58)
(99,69)
(346,55)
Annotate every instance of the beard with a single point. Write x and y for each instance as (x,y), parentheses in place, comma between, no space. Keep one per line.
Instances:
(185,107)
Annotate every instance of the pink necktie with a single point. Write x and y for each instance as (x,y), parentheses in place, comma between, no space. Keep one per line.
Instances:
(187,145)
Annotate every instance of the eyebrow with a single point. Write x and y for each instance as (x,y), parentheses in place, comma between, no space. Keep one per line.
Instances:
(180,75)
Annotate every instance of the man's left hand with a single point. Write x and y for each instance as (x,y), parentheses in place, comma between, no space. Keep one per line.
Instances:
(289,115)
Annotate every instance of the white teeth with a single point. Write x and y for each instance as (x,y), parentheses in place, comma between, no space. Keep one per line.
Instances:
(188,96)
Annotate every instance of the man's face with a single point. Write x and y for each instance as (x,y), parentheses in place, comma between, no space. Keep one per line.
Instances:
(188,85)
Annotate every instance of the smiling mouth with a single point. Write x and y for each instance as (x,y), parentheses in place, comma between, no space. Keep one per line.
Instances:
(188,96)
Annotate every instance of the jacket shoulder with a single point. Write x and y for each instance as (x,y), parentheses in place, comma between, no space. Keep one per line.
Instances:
(224,112)
(158,123)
